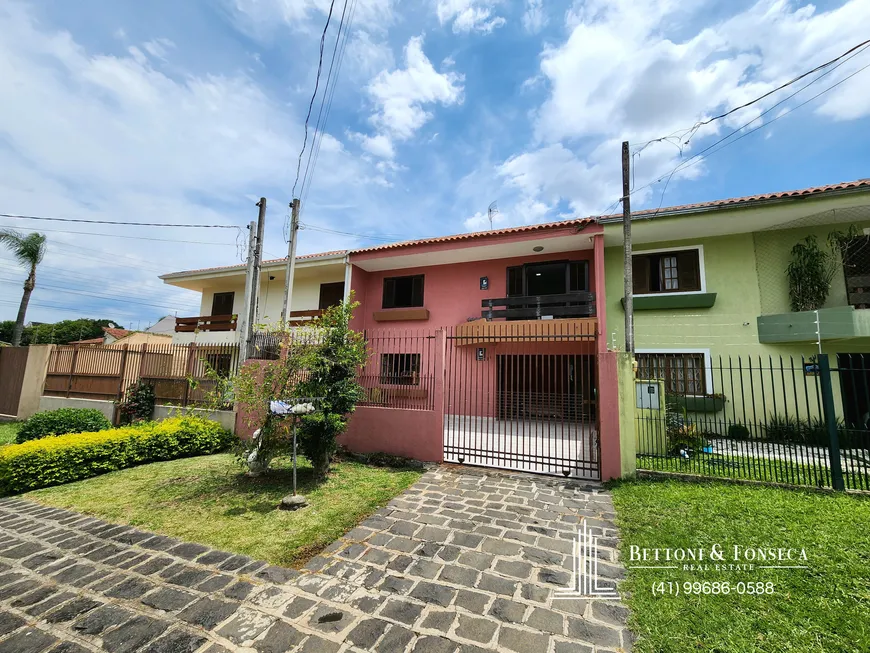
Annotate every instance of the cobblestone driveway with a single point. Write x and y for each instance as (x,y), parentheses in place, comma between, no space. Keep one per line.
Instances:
(462,561)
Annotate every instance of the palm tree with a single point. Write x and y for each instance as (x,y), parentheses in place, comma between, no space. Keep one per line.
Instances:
(29,250)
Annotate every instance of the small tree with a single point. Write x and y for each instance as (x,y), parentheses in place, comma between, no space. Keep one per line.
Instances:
(332,367)
(320,360)
(28,250)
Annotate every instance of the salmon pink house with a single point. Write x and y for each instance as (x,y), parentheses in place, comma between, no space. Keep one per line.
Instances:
(484,347)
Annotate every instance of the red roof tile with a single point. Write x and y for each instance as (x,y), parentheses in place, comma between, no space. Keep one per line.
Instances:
(786,194)
(91,341)
(117,334)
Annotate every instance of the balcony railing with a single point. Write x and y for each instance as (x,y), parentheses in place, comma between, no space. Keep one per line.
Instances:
(205,323)
(536,307)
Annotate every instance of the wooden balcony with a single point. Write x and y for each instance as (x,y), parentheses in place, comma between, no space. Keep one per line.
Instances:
(568,305)
(481,332)
(206,323)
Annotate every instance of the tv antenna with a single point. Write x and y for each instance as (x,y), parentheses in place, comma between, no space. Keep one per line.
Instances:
(491,212)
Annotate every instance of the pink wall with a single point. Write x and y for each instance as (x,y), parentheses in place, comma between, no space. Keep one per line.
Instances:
(451,293)
(608,416)
(417,434)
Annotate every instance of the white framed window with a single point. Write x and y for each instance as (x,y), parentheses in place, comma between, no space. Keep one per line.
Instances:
(686,372)
(671,270)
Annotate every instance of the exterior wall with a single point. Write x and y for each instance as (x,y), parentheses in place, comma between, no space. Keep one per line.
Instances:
(107,408)
(747,273)
(142,338)
(417,434)
(772,255)
(451,293)
(226,418)
(34,380)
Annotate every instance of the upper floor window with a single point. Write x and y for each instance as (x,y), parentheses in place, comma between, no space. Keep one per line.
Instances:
(222,303)
(403,292)
(664,272)
(549,278)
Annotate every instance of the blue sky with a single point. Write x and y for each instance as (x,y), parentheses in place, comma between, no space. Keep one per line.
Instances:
(189,111)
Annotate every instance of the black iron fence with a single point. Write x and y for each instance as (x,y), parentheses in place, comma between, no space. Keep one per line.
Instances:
(798,421)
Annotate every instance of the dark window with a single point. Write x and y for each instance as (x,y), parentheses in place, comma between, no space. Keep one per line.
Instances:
(222,303)
(220,363)
(403,292)
(400,369)
(664,272)
(550,278)
(855,253)
(683,374)
(331,294)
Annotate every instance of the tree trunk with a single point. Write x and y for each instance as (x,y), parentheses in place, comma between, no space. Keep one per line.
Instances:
(22,308)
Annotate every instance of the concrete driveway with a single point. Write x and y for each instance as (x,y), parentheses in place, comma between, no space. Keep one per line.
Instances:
(464,560)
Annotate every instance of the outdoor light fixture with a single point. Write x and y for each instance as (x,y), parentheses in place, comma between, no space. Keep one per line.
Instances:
(537,248)
(481,353)
(484,283)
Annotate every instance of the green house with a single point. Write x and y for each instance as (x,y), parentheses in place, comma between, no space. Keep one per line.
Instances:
(713,312)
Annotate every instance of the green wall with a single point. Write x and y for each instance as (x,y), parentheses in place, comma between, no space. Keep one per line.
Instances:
(747,273)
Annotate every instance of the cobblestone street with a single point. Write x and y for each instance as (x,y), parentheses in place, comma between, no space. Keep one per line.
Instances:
(464,560)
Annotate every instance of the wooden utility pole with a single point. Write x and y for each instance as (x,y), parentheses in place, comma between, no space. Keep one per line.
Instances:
(626,244)
(245,327)
(291,261)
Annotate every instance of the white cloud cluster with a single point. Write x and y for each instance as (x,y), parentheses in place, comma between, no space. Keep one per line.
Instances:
(401,96)
(262,15)
(534,18)
(621,74)
(469,15)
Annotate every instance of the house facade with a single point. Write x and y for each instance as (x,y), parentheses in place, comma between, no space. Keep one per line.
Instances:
(502,348)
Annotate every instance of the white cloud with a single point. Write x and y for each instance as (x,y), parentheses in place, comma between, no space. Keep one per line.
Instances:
(469,15)
(158,48)
(402,95)
(534,18)
(261,16)
(134,143)
(620,75)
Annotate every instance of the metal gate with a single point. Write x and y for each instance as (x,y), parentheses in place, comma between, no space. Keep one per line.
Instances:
(13,362)
(522,395)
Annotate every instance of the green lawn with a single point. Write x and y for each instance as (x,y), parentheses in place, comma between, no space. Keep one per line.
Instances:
(209,500)
(8,431)
(824,608)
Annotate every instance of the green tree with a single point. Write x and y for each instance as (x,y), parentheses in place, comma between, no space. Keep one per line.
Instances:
(6,329)
(66,331)
(320,361)
(332,366)
(28,251)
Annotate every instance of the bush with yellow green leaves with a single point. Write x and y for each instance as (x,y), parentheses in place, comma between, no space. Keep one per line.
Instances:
(66,458)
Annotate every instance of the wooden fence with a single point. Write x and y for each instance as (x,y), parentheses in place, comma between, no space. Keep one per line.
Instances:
(179,373)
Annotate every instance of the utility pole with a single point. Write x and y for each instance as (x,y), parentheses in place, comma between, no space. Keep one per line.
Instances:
(246,328)
(291,261)
(258,260)
(626,240)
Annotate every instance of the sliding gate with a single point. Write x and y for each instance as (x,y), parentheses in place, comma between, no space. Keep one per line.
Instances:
(523,397)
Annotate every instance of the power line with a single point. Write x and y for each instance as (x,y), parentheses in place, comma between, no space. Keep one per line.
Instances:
(313,96)
(348,233)
(340,47)
(700,156)
(118,222)
(701,123)
(108,298)
(162,240)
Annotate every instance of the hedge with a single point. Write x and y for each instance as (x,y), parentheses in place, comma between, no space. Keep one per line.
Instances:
(66,458)
(62,421)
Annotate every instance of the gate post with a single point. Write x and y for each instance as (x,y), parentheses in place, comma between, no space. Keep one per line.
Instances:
(440,381)
(72,370)
(831,423)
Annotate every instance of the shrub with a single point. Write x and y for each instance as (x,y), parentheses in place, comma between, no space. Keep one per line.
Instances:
(61,422)
(781,428)
(138,403)
(738,432)
(66,458)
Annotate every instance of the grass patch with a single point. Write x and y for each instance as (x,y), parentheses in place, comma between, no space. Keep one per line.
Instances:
(209,499)
(8,432)
(821,609)
(755,468)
